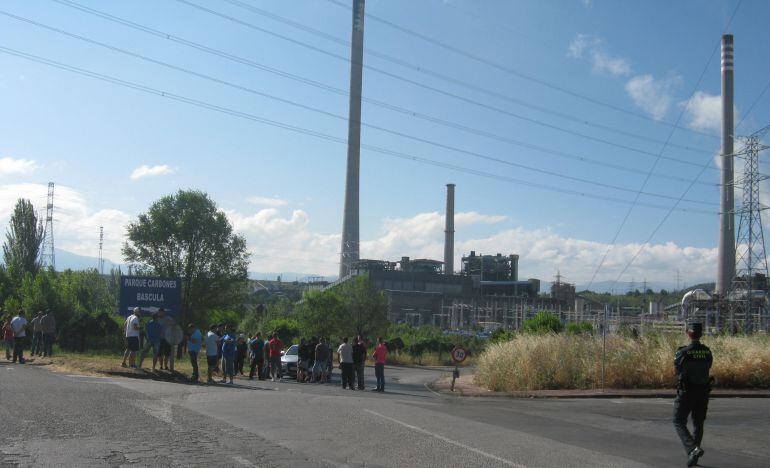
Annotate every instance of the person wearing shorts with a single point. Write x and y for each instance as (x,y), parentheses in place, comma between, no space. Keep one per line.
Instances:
(133,329)
(321,359)
(212,340)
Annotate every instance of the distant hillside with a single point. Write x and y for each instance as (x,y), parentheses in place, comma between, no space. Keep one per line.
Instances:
(623,287)
(288,276)
(71,261)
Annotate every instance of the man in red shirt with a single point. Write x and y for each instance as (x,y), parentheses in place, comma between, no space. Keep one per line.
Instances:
(380,353)
(275,346)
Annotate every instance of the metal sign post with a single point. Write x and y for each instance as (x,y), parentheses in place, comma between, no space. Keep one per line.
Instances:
(458,355)
(604,343)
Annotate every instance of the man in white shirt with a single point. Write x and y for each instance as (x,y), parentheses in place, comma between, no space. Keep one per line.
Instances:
(133,330)
(19,324)
(212,346)
(345,351)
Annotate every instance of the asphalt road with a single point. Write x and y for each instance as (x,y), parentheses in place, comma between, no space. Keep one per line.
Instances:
(49,419)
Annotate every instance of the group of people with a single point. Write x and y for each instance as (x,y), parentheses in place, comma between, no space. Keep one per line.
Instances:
(227,352)
(353,362)
(162,335)
(15,330)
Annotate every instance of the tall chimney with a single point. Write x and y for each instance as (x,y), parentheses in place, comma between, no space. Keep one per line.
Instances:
(449,231)
(726,266)
(350,233)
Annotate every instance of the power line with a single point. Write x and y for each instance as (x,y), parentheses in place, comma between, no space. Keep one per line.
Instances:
(751,107)
(689,187)
(515,72)
(320,135)
(450,79)
(340,117)
(644,184)
(402,110)
(432,88)
(344,118)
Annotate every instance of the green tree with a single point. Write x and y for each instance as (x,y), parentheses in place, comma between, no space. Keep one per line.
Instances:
(23,238)
(366,308)
(321,312)
(186,236)
(354,308)
(543,322)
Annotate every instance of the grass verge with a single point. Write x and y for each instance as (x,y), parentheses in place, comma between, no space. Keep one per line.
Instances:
(105,363)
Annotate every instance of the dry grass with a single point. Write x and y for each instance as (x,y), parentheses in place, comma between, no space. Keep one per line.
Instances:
(96,363)
(540,362)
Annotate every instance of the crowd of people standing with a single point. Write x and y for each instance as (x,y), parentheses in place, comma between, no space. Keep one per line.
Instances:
(16,329)
(227,352)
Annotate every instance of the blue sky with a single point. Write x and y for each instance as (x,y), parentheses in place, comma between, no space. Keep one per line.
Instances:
(112,150)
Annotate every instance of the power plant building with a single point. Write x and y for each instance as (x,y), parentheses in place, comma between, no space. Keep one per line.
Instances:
(419,293)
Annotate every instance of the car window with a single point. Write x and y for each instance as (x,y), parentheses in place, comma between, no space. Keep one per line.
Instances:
(292,350)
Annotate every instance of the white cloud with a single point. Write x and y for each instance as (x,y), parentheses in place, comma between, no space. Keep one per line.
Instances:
(147,171)
(615,66)
(9,165)
(76,224)
(592,49)
(654,96)
(581,43)
(267,201)
(289,243)
(281,244)
(704,112)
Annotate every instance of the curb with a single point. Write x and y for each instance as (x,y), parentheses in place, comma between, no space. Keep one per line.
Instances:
(442,390)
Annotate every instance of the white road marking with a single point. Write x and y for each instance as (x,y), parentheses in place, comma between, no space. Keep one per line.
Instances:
(447,440)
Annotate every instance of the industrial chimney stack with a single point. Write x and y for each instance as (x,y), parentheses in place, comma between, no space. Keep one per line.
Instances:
(350,232)
(726,266)
(449,231)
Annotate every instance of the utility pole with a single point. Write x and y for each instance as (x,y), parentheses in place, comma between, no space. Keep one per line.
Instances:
(101,245)
(47,256)
(751,261)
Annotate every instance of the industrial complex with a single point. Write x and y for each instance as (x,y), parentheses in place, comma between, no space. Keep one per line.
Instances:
(487,290)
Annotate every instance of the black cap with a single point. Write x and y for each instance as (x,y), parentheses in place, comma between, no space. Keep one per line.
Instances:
(697,328)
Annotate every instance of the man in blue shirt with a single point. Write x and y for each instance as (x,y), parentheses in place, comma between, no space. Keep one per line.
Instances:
(152,340)
(228,354)
(193,348)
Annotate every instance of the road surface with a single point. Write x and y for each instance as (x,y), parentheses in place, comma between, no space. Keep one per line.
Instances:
(51,419)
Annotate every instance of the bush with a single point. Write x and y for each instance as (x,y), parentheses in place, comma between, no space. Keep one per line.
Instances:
(90,332)
(580,328)
(502,335)
(543,322)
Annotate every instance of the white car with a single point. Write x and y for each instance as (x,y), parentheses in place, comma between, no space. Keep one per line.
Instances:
(289,361)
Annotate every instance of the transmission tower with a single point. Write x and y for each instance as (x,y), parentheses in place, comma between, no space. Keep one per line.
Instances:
(751,261)
(47,258)
(101,245)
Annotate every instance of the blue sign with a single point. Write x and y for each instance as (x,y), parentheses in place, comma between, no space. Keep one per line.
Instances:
(150,294)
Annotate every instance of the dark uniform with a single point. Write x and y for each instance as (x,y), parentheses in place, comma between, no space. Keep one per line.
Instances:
(692,364)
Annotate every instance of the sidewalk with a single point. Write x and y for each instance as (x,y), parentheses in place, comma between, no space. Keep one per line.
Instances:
(465,387)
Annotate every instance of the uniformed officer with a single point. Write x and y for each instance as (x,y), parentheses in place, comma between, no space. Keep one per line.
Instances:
(692,364)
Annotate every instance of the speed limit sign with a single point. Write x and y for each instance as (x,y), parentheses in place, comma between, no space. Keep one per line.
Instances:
(459,354)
